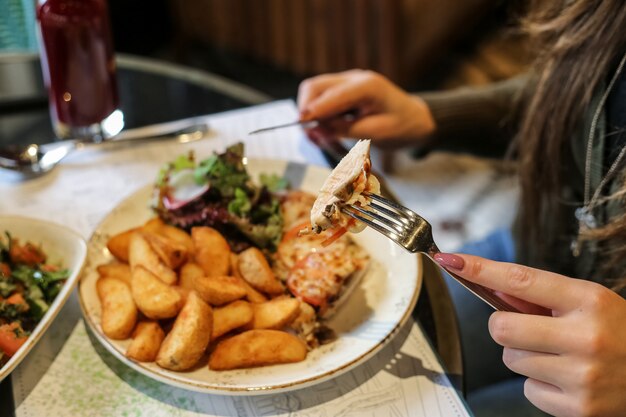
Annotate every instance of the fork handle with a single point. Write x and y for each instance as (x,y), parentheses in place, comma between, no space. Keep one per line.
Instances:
(484,293)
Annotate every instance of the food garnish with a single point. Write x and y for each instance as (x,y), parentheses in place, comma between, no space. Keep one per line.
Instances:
(218,192)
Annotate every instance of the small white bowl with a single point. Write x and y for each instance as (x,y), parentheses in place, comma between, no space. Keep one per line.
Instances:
(62,246)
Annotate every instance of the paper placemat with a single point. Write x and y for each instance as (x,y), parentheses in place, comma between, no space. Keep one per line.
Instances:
(404,379)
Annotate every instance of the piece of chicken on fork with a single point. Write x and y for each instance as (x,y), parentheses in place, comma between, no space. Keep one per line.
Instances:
(345,185)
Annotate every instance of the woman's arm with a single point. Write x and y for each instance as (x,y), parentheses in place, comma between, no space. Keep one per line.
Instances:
(471,119)
(481,120)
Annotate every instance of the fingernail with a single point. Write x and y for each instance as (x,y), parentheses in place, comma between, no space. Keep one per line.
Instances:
(449,260)
(305,114)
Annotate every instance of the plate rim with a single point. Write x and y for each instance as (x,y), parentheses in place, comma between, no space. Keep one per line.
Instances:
(229,390)
(59,301)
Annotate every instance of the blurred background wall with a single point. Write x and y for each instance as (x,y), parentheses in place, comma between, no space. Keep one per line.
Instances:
(274,44)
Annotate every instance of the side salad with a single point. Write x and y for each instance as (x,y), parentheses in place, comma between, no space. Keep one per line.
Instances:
(218,192)
(28,285)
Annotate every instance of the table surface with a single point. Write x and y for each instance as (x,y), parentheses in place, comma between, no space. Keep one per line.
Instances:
(164,92)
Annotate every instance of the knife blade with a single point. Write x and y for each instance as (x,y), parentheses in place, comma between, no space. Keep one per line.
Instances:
(347,116)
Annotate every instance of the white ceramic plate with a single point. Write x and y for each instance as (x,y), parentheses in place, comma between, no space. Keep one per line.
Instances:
(62,246)
(375,311)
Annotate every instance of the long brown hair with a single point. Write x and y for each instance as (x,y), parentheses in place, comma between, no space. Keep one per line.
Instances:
(577,44)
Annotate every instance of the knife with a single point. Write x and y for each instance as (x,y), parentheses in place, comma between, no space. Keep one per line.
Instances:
(347,116)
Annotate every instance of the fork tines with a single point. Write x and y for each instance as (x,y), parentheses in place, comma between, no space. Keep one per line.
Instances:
(385,216)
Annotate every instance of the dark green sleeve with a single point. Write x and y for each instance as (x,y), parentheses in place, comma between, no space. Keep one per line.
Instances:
(481,120)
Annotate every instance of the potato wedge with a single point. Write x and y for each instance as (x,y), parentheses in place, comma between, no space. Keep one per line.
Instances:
(154,298)
(219,290)
(119,313)
(178,235)
(255,269)
(212,251)
(147,339)
(118,244)
(115,270)
(275,314)
(156,225)
(141,253)
(153,225)
(187,274)
(257,348)
(186,342)
(230,317)
(172,253)
(184,292)
(252,295)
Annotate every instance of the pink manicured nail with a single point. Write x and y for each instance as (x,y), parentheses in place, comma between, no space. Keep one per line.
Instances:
(449,260)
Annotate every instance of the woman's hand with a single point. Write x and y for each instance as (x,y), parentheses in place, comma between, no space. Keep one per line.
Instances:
(574,357)
(386,114)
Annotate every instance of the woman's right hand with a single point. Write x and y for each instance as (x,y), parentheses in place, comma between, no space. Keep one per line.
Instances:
(385,113)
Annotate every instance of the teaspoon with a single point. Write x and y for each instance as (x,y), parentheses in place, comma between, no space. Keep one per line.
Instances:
(33,159)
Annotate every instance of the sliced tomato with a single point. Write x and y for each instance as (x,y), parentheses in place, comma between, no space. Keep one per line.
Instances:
(18,299)
(28,254)
(9,341)
(312,281)
(5,269)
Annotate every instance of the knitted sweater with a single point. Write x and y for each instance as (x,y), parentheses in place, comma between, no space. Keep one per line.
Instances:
(484,119)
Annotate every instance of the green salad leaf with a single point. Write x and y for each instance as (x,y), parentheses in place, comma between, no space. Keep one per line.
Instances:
(232,198)
(273,182)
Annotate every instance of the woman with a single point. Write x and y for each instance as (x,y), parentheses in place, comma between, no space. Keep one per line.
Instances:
(570,118)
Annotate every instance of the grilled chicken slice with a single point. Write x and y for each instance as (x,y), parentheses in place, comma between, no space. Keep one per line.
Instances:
(345,185)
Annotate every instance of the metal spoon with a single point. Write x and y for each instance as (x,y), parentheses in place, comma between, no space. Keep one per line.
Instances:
(33,159)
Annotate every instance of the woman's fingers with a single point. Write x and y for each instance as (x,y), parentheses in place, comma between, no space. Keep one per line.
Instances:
(311,88)
(548,398)
(524,306)
(531,332)
(546,367)
(543,288)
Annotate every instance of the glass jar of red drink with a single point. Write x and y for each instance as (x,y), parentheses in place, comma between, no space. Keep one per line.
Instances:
(79,68)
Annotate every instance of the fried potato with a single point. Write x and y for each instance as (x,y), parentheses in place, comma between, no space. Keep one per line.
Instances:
(172,253)
(187,274)
(156,225)
(219,290)
(184,292)
(185,344)
(118,244)
(153,225)
(140,253)
(257,348)
(115,270)
(147,339)
(275,314)
(119,313)
(154,298)
(230,317)
(255,269)
(252,295)
(212,251)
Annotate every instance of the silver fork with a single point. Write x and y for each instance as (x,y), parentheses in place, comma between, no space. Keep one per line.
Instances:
(413,233)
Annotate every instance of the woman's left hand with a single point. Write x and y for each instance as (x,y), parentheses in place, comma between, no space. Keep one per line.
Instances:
(571,343)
